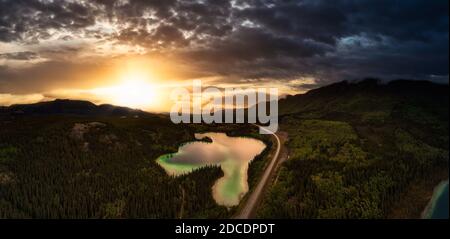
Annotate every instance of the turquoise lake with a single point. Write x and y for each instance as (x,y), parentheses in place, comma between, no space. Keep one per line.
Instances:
(231,154)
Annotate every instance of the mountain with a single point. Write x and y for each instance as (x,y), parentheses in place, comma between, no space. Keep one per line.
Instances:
(366,95)
(361,150)
(70,107)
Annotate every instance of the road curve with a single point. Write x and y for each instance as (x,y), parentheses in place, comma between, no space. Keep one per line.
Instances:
(255,195)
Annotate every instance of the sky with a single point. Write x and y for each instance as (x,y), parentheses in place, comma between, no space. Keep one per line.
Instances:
(94,49)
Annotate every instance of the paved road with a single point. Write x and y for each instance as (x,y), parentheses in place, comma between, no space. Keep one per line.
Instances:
(251,202)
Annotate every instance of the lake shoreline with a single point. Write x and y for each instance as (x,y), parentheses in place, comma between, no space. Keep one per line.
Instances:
(232,154)
(416,197)
(431,203)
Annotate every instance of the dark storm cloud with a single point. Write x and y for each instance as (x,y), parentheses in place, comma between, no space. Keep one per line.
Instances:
(320,21)
(247,44)
(253,39)
(30,20)
(406,38)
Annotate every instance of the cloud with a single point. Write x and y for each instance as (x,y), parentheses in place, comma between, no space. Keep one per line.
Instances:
(11,99)
(45,76)
(33,20)
(20,56)
(238,40)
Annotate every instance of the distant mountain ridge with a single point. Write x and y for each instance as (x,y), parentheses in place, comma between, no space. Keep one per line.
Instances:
(365,95)
(71,107)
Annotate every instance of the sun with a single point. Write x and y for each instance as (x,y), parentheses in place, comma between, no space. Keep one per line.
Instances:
(133,90)
(135,93)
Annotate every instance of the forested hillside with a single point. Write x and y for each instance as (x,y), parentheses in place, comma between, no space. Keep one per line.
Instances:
(356,150)
(72,159)
(361,150)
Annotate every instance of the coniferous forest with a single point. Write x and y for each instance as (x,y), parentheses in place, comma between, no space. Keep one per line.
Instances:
(60,166)
(356,150)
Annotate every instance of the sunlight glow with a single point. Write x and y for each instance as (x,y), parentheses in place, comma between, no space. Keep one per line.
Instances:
(135,93)
(134,90)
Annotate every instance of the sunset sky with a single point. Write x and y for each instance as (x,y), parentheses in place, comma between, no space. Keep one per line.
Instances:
(118,51)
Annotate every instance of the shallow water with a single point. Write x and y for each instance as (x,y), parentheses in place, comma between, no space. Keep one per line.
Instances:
(232,154)
(439,203)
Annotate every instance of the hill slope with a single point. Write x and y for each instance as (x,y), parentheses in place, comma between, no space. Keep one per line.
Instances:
(361,150)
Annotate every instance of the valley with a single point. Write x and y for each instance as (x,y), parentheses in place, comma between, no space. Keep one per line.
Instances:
(354,150)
